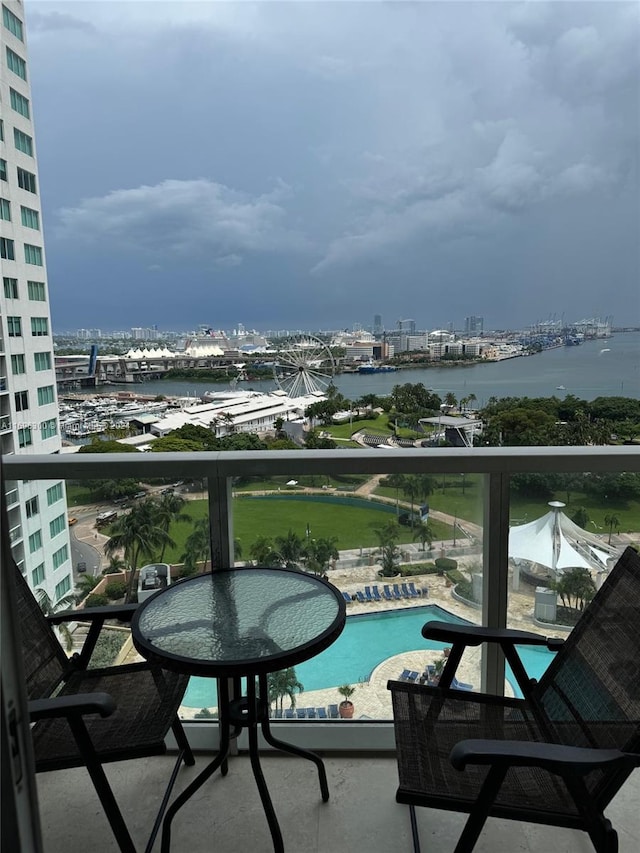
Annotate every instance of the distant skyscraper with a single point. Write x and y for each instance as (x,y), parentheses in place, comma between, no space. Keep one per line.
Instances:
(28,399)
(377,324)
(407,326)
(474,325)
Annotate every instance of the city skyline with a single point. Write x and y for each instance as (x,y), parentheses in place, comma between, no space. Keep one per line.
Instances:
(301,161)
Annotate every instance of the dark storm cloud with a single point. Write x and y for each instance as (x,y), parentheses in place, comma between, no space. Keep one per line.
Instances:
(331,160)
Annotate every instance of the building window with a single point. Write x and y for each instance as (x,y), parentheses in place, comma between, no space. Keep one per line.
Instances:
(30,218)
(5,209)
(35,542)
(7,249)
(39,327)
(1,130)
(10,288)
(26,180)
(59,557)
(32,508)
(33,255)
(48,428)
(19,103)
(17,364)
(12,23)
(3,170)
(57,526)
(23,142)
(21,399)
(63,587)
(46,395)
(14,327)
(36,291)
(25,439)
(54,494)
(16,64)
(37,575)
(42,360)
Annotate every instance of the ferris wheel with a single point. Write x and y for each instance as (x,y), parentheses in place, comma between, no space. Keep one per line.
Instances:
(303,366)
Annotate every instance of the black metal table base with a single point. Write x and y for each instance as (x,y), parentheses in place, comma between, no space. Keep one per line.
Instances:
(249,712)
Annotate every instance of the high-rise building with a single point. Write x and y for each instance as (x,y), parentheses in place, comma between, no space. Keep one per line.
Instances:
(473,325)
(407,326)
(28,399)
(377,324)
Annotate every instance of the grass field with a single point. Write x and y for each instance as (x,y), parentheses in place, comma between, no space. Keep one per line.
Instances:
(352,526)
(469,505)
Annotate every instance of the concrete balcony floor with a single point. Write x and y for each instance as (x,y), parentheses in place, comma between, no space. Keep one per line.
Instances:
(226,815)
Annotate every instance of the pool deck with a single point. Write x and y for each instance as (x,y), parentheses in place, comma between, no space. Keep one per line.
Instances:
(371,698)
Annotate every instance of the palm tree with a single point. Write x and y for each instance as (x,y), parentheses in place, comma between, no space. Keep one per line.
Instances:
(116,564)
(168,510)
(611,521)
(397,482)
(471,398)
(388,551)
(197,546)
(281,684)
(137,535)
(84,585)
(450,399)
(264,553)
(424,532)
(48,607)
(318,552)
(291,548)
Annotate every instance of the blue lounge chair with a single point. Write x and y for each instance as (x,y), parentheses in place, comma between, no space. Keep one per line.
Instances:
(360,596)
(461,685)
(311,713)
(277,714)
(376,593)
(396,591)
(347,597)
(406,673)
(413,675)
(289,714)
(412,588)
(301,713)
(407,592)
(333,711)
(387,592)
(367,593)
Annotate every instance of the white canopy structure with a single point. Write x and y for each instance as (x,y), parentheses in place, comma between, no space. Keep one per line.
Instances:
(556,542)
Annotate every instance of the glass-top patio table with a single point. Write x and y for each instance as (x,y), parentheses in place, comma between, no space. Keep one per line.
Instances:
(233,624)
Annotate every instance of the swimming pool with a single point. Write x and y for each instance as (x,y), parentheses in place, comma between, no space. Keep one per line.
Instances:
(367,640)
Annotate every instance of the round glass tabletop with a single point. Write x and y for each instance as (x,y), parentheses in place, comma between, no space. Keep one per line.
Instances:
(239,622)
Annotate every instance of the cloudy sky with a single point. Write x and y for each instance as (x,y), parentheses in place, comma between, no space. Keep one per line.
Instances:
(306,165)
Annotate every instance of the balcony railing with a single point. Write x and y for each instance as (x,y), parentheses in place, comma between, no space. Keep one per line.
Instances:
(15,534)
(217,470)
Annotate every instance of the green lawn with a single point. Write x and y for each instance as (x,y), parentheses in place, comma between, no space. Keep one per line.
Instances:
(253,518)
(380,424)
(469,505)
(78,495)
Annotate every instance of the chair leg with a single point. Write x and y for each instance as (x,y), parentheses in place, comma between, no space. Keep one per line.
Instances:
(414,829)
(183,742)
(101,784)
(480,810)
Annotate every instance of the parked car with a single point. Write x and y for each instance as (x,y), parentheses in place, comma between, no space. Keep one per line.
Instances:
(81,567)
(71,520)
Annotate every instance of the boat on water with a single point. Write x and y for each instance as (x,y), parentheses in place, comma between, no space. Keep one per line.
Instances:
(372,367)
(560,388)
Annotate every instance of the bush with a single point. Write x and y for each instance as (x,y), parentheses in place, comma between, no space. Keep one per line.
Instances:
(456,577)
(445,564)
(107,648)
(96,600)
(115,590)
(410,571)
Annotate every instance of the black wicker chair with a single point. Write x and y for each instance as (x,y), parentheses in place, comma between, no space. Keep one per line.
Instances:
(556,757)
(88,717)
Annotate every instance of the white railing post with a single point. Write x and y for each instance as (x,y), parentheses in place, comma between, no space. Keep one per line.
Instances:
(495,575)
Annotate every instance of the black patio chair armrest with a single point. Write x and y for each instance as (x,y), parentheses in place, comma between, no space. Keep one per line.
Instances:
(65,706)
(475,635)
(553,757)
(121,612)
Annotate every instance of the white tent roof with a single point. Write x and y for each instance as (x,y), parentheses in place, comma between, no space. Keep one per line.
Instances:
(558,543)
